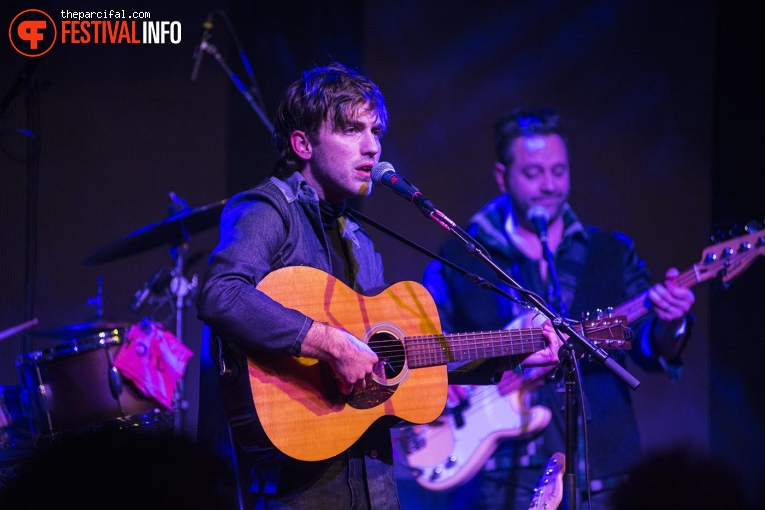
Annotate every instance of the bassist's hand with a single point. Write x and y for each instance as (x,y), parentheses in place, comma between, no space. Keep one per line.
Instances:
(671,301)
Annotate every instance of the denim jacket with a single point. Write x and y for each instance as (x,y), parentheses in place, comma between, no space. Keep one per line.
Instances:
(273,225)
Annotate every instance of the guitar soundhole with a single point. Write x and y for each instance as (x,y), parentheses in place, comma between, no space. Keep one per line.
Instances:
(387,376)
(390,350)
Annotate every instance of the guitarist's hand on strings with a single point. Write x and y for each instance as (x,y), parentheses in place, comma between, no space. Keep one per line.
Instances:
(547,357)
(536,365)
(351,359)
(670,302)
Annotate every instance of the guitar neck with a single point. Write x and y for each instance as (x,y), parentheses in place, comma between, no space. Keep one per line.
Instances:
(727,265)
(431,350)
(638,306)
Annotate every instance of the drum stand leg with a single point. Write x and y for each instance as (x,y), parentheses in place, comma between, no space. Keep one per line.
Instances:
(180,288)
(41,399)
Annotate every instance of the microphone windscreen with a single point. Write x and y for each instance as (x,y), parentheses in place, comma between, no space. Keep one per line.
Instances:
(379,170)
(536,212)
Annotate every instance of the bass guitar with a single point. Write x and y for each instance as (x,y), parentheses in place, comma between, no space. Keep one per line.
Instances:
(451,450)
(549,491)
(724,261)
(296,399)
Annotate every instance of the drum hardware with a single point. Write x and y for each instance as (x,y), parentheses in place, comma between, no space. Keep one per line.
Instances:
(115,382)
(17,329)
(157,284)
(87,329)
(176,231)
(14,428)
(74,388)
(91,328)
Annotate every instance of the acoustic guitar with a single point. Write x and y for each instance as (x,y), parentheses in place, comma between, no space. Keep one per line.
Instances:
(297,401)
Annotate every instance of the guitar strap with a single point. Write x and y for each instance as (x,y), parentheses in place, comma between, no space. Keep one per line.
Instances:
(554,294)
(600,281)
(236,395)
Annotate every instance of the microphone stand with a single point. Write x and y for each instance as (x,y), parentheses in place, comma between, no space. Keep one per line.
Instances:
(569,367)
(213,50)
(567,357)
(553,278)
(566,354)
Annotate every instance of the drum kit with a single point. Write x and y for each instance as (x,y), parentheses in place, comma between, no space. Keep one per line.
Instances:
(75,387)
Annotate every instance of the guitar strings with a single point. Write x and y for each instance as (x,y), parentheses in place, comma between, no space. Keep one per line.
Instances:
(464,341)
(463,346)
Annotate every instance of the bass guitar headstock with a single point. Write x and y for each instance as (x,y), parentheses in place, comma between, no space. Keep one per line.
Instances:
(732,254)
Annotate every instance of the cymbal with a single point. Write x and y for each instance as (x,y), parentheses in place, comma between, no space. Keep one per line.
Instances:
(172,231)
(83,329)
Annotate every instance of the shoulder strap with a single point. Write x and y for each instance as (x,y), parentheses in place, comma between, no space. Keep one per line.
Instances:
(236,395)
(601,282)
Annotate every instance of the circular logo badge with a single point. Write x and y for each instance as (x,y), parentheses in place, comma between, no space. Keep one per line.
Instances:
(32,33)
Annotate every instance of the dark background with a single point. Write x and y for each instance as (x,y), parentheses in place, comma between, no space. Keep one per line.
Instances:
(662,102)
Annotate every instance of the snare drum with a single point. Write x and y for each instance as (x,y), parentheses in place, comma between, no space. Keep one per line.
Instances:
(75,387)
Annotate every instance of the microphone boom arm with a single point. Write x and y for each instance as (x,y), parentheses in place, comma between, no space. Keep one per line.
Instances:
(213,50)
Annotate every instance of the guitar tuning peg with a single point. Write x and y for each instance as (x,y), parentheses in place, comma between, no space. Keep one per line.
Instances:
(753,226)
(598,313)
(717,237)
(610,311)
(744,246)
(720,283)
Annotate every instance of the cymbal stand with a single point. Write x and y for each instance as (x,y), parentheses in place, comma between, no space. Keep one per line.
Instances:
(180,287)
(98,299)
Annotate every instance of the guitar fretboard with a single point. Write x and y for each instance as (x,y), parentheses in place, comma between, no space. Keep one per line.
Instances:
(638,306)
(430,350)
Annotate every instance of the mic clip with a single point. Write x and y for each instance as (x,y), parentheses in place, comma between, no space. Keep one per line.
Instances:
(159,280)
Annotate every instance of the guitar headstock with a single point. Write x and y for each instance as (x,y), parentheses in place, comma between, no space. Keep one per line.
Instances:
(608,331)
(730,257)
(549,491)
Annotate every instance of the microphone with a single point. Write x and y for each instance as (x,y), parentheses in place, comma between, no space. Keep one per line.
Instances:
(384,174)
(199,51)
(143,294)
(539,217)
